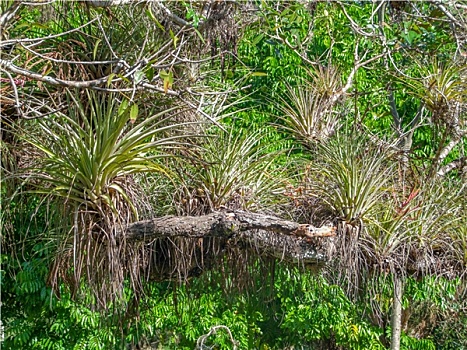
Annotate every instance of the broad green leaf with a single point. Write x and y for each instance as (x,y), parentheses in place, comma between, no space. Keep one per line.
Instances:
(163,74)
(123,107)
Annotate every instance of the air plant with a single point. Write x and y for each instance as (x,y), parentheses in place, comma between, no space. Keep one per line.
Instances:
(308,110)
(352,176)
(229,170)
(89,158)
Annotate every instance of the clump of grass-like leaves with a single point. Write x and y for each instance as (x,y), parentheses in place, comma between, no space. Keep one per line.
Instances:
(89,158)
(352,175)
(441,88)
(386,233)
(230,170)
(308,110)
(417,236)
(227,171)
(420,233)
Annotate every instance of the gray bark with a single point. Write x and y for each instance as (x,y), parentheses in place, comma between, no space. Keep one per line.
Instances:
(396,316)
(271,235)
(107,3)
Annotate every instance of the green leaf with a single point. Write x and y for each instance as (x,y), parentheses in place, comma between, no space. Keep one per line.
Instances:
(167,78)
(200,35)
(150,74)
(124,78)
(163,74)
(139,76)
(174,38)
(123,107)
(109,79)
(39,25)
(257,39)
(133,113)
(151,15)
(96,46)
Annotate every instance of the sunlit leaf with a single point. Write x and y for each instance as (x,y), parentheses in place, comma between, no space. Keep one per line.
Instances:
(133,113)
(139,76)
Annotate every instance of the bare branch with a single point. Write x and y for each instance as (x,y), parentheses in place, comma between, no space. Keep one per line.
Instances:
(396,119)
(36,40)
(56,60)
(39,2)
(201,340)
(287,240)
(107,3)
(355,27)
(448,14)
(447,149)
(220,224)
(294,48)
(358,64)
(107,41)
(8,15)
(15,93)
(8,65)
(459,163)
(173,16)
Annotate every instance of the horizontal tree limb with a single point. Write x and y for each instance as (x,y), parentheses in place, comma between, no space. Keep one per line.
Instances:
(220,224)
(280,238)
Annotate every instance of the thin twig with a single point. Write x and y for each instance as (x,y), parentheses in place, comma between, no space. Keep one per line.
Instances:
(15,93)
(201,340)
(56,60)
(8,65)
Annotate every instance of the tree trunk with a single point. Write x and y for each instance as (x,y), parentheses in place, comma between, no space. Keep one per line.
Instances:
(396,314)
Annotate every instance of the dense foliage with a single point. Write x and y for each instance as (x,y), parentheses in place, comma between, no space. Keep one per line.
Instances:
(348,113)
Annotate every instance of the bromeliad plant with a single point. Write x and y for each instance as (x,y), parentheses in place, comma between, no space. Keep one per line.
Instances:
(352,176)
(308,110)
(441,89)
(230,170)
(420,234)
(418,237)
(381,236)
(90,156)
(227,170)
